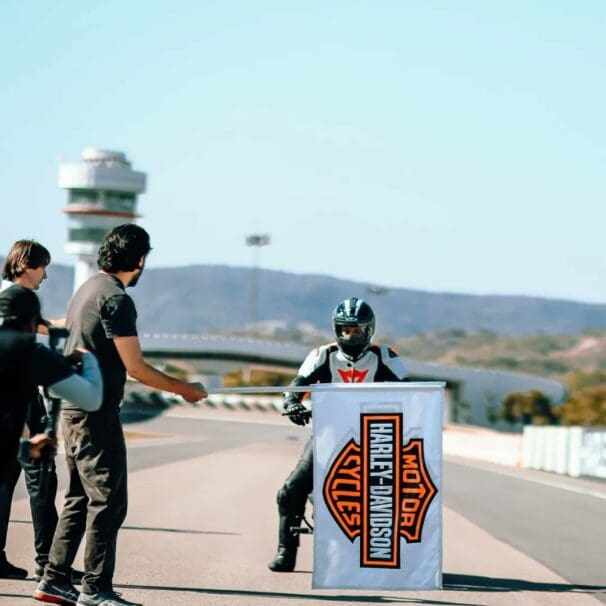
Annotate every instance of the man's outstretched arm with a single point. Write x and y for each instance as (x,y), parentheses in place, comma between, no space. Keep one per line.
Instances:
(129,350)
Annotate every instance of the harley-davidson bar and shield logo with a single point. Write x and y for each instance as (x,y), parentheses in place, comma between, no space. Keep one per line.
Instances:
(380,490)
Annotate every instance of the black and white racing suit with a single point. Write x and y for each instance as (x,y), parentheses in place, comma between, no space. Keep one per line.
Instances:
(328,364)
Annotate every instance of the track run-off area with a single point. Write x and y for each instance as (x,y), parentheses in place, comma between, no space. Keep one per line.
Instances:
(202,524)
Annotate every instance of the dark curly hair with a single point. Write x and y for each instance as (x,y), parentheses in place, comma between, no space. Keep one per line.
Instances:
(24,254)
(123,248)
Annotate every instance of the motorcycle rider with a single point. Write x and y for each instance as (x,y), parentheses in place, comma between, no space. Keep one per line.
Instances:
(353,358)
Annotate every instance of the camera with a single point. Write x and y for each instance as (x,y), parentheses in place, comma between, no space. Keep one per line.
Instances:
(56,334)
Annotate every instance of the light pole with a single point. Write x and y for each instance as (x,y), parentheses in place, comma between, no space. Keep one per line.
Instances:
(255,241)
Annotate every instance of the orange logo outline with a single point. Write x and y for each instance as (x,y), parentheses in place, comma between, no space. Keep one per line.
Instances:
(380,490)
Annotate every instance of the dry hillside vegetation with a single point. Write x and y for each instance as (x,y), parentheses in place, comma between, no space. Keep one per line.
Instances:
(544,354)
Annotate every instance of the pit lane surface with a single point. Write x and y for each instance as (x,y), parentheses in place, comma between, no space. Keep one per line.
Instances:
(202,525)
(558,521)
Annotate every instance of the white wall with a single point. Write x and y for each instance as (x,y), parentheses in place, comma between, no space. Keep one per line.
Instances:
(572,451)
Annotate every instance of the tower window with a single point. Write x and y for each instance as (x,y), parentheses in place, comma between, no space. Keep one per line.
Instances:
(117,201)
(83,196)
(87,234)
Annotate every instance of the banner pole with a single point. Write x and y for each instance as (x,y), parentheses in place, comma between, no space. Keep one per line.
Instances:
(272,389)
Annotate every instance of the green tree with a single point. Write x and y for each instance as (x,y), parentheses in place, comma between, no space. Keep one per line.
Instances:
(586,405)
(539,406)
(513,407)
(532,407)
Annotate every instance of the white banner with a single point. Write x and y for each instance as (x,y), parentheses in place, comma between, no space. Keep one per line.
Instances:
(378,485)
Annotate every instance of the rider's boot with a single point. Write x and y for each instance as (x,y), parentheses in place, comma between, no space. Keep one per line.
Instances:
(285,559)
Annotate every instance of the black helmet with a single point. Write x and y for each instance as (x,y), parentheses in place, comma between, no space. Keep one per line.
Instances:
(353,312)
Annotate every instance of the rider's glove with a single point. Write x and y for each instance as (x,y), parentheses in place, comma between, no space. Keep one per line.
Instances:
(297,413)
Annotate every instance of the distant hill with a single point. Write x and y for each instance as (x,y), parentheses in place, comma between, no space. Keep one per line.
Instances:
(206,298)
(552,355)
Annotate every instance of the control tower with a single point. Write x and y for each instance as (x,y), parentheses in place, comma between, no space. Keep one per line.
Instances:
(103,191)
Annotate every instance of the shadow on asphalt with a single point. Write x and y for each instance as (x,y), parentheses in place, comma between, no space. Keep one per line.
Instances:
(154,529)
(466,582)
(300,597)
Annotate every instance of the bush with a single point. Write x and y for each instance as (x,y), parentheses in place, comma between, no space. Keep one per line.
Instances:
(586,405)
(532,407)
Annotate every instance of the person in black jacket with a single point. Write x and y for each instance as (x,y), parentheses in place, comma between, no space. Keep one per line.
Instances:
(353,358)
(25,365)
(26,264)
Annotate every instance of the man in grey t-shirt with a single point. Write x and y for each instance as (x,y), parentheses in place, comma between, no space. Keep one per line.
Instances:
(100,312)
(101,317)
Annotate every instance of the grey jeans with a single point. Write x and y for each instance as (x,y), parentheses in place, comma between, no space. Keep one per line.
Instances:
(95,501)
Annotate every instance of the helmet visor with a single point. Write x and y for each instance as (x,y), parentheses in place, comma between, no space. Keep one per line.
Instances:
(352,334)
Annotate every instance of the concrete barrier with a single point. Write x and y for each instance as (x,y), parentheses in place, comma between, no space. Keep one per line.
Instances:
(572,451)
(484,444)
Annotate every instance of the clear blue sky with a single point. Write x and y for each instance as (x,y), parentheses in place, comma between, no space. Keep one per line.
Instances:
(439,145)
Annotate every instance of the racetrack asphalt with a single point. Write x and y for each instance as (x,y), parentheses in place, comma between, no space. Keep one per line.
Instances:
(202,526)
